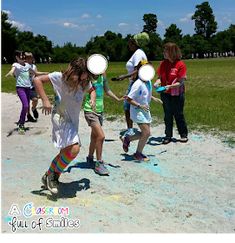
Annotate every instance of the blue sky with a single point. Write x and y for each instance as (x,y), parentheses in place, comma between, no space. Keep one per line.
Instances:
(76,21)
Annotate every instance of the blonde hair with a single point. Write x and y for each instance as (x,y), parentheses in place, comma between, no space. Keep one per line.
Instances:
(28,54)
(77,67)
(173,50)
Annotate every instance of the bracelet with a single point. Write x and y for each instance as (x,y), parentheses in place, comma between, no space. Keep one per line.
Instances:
(138,105)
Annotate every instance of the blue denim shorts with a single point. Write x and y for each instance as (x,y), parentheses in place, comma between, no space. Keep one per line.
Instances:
(126,105)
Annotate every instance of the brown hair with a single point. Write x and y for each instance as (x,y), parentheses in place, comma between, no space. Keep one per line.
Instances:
(19,54)
(134,42)
(173,50)
(77,67)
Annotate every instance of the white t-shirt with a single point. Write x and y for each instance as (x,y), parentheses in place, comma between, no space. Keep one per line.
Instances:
(137,56)
(22,75)
(65,115)
(140,92)
(33,66)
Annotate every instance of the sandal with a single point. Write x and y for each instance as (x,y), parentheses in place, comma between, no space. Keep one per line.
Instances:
(183,140)
(140,157)
(166,140)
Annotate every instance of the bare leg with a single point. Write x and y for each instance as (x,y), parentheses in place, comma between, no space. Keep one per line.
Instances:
(129,122)
(97,140)
(92,144)
(145,133)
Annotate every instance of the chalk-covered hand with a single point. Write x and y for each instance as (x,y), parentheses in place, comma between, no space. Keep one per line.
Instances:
(46,107)
(157,83)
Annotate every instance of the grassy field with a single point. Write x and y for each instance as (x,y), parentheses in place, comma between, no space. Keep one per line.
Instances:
(210,92)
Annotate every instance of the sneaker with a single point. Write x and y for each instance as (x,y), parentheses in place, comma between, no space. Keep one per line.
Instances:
(90,161)
(129,132)
(21,129)
(30,118)
(44,180)
(53,183)
(126,144)
(141,157)
(35,113)
(100,168)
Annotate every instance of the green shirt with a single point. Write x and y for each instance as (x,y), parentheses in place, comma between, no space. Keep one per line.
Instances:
(99,89)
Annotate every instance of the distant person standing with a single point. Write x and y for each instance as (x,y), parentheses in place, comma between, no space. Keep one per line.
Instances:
(33,94)
(172,75)
(21,71)
(135,45)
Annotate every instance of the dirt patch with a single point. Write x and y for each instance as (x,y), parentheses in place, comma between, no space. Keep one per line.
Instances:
(184,188)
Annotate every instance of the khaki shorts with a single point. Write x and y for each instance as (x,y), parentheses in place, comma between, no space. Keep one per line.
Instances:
(93,118)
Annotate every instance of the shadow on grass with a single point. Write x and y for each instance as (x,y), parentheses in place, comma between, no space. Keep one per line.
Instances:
(66,190)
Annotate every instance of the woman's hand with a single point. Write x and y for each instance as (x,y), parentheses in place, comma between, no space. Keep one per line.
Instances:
(46,107)
(168,87)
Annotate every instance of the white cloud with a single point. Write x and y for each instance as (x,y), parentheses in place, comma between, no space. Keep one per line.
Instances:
(187,18)
(69,25)
(85,16)
(80,27)
(7,12)
(18,25)
(122,24)
(98,16)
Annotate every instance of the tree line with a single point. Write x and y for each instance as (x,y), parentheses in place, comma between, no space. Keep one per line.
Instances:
(205,42)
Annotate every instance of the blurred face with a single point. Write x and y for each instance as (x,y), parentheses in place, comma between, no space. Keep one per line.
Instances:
(82,80)
(131,45)
(166,55)
(29,60)
(20,58)
(84,77)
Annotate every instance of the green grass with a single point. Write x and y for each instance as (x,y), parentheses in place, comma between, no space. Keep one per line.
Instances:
(210,92)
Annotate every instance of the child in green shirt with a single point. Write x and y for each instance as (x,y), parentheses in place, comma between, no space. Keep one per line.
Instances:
(95,121)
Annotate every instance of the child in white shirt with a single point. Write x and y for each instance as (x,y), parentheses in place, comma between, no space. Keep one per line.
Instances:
(139,98)
(69,87)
